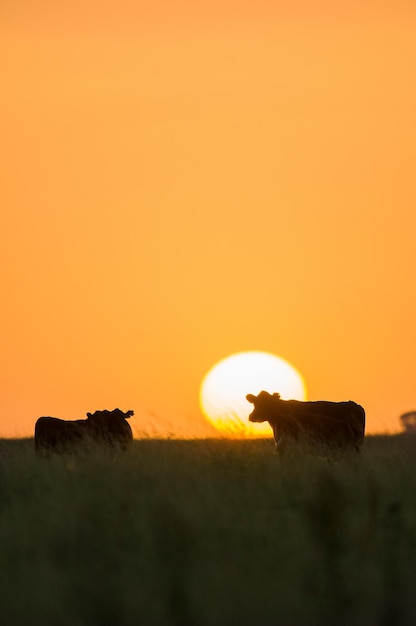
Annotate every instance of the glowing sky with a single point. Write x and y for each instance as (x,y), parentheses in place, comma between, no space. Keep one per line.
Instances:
(182,181)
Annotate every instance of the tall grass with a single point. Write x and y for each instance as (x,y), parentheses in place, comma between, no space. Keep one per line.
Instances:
(210,533)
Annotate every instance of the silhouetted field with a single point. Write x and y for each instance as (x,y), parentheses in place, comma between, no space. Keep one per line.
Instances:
(209,533)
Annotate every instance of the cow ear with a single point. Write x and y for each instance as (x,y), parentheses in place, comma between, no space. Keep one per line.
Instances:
(89,414)
(129,414)
(251,398)
(276,396)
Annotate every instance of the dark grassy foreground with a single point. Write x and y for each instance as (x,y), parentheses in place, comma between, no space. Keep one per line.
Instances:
(208,533)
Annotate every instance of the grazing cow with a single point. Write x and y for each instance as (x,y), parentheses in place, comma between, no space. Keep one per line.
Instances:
(102,428)
(332,424)
(408,421)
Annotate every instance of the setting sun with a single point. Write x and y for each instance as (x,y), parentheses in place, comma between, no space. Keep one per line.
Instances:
(182,179)
(224,388)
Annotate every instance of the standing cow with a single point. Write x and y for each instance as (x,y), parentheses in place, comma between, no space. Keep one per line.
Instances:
(102,428)
(333,424)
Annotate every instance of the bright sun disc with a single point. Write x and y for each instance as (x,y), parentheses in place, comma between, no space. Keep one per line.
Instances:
(224,389)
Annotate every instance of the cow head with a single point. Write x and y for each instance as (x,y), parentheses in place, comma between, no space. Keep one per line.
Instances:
(265,405)
(110,428)
(117,414)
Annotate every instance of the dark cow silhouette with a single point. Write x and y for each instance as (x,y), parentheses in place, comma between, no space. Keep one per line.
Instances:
(333,424)
(102,428)
(408,421)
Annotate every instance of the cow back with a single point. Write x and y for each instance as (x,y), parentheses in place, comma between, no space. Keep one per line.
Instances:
(343,418)
(54,434)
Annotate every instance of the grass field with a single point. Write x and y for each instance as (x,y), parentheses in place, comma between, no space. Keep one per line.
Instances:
(209,533)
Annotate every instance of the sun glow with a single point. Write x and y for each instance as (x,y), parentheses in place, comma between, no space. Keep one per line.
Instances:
(224,389)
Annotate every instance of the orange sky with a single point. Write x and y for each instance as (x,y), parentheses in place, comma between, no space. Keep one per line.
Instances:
(186,180)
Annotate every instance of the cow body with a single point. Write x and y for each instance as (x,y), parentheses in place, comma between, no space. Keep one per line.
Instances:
(102,428)
(334,424)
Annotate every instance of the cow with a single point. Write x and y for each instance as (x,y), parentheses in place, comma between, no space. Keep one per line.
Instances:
(101,429)
(408,421)
(333,425)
